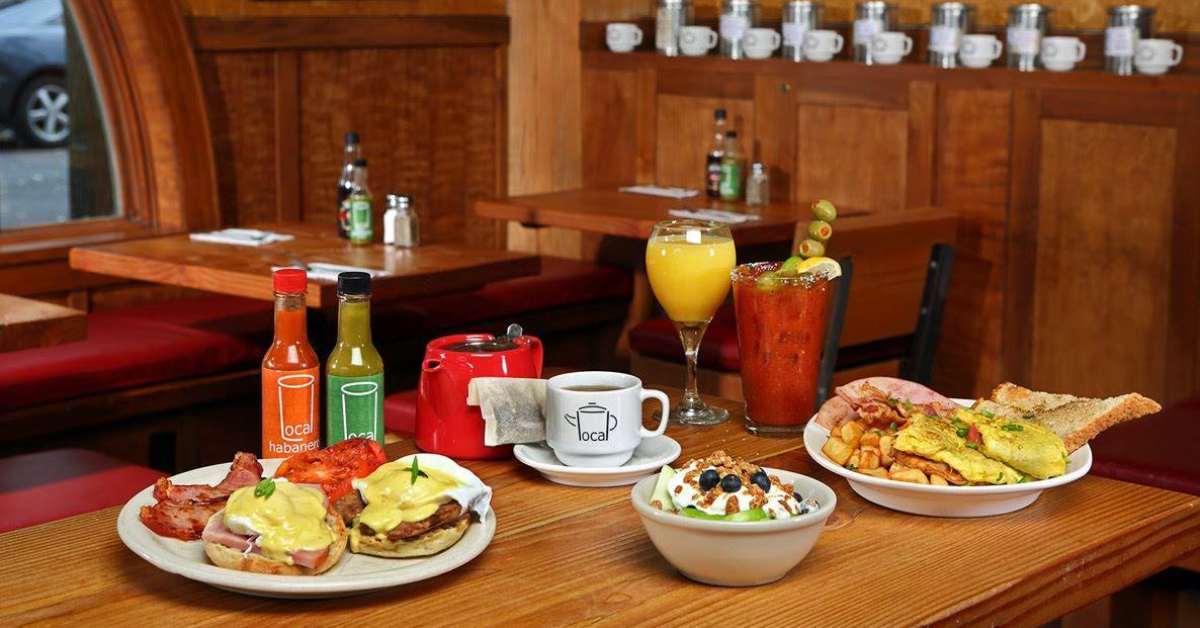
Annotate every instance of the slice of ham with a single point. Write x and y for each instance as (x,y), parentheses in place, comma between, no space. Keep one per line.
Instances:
(217,532)
(835,412)
(859,391)
(183,510)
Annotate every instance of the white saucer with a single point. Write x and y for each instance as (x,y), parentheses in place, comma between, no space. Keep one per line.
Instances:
(648,458)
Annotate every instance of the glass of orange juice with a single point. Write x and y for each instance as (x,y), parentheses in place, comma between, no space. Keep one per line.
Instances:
(688,263)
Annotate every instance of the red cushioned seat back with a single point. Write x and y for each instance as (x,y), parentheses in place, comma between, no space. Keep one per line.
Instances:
(1158,450)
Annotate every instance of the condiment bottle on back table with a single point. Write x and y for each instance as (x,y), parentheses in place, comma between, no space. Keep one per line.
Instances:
(354,371)
(291,374)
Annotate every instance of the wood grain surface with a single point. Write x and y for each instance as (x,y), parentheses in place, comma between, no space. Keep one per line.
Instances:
(614,213)
(246,271)
(570,556)
(28,324)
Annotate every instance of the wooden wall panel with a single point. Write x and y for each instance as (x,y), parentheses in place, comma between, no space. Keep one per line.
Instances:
(609,124)
(241,110)
(855,156)
(684,135)
(1107,268)
(973,174)
(296,8)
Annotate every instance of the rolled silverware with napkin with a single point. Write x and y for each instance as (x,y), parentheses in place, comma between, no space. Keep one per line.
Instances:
(513,409)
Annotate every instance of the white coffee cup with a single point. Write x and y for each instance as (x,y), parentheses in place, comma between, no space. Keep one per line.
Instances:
(821,45)
(1155,56)
(979,51)
(1060,54)
(759,43)
(622,36)
(594,418)
(890,47)
(696,41)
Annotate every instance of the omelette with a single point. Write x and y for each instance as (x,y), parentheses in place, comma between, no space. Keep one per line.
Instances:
(985,449)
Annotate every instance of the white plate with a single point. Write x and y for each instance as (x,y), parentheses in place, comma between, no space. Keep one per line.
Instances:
(354,573)
(944,501)
(648,458)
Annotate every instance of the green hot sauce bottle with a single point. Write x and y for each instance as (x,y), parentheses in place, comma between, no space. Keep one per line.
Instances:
(354,372)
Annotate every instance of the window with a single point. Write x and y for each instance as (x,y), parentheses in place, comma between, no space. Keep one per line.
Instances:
(55,165)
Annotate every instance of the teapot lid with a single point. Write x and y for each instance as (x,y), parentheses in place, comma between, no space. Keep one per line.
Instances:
(489,344)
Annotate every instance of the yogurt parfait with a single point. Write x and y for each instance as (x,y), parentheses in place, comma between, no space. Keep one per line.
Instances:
(723,488)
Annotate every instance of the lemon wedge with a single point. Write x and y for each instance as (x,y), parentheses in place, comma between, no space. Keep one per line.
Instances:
(824,266)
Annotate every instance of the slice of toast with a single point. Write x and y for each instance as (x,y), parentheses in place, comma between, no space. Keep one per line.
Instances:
(1076,419)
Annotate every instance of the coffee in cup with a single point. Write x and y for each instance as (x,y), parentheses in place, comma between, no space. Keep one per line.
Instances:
(622,36)
(594,418)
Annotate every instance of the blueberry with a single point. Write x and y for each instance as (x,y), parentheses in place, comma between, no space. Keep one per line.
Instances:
(731,483)
(761,480)
(709,479)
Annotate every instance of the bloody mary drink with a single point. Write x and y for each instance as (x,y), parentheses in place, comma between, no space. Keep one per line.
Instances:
(781,323)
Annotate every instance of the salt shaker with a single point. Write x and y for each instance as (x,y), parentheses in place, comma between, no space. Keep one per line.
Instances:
(400,225)
(758,186)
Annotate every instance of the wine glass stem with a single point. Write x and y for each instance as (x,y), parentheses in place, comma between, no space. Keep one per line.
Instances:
(690,335)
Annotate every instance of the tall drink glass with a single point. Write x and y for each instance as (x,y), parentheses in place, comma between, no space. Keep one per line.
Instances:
(688,263)
(781,324)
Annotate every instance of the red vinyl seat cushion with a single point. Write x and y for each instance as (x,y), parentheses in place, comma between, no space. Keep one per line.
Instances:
(121,351)
(49,485)
(249,319)
(718,350)
(400,413)
(561,282)
(1158,450)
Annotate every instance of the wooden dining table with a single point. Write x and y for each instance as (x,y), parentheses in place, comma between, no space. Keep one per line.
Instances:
(30,324)
(246,270)
(572,556)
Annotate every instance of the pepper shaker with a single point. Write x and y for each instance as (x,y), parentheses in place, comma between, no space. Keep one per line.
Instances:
(400,225)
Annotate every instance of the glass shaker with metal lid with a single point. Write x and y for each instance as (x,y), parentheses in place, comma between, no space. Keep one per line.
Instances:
(799,17)
(949,22)
(1027,24)
(670,16)
(737,17)
(400,224)
(1126,25)
(871,18)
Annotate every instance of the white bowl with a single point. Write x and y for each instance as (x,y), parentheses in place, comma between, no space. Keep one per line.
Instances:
(735,554)
(944,501)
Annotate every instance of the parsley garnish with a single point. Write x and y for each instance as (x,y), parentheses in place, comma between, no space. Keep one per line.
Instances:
(987,414)
(893,427)
(1012,427)
(962,432)
(1023,479)
(264,488)
(852,467)
(416,471)
(973,446)
(999,477)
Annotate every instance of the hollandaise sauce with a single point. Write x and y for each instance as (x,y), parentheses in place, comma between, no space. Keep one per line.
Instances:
(393,497)
(289,519)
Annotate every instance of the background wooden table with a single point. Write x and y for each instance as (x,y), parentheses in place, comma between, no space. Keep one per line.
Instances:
(566,555)
(246,270)
(615,213)
(27,324)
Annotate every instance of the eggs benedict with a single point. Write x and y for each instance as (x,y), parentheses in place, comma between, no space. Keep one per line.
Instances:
(275,527)
(417,505)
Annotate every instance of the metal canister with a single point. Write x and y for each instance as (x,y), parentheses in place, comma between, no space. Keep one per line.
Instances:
(400,224)
(871,18)
(1126,25)
(949,22)
(737,17)
(1027,25)
(671,16)
(799,17)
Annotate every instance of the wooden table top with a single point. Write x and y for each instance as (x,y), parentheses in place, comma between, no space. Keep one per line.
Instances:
(564,555)
(615,213)
(246,270)
(29,324)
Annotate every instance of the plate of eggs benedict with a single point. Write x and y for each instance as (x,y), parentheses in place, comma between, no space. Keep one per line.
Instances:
(402,521)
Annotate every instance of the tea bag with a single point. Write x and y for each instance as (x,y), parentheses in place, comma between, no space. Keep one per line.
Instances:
(512,409)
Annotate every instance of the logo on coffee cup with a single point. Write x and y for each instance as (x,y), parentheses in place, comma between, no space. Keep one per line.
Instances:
(593,422)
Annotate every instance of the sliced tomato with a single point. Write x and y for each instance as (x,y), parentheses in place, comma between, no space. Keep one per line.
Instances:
(973,436)
(334,467)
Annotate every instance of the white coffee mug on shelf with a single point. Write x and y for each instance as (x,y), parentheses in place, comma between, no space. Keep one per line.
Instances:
(1156,56)
(760,43)
(822,45)
(890,47)
(1060,54)
(622,36)
(696,41)
(979,51)
(594,418)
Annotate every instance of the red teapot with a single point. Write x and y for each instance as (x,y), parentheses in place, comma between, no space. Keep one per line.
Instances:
(445,423)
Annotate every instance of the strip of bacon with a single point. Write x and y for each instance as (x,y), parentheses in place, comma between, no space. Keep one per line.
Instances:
(183,510)
(179,521)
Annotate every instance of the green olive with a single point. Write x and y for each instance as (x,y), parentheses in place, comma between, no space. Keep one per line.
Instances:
(820,230)
(824,210)
(767,281)
(812,248)
(789,265)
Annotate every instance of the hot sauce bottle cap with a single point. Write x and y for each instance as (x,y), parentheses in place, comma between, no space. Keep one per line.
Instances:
(291,280)
(356,283)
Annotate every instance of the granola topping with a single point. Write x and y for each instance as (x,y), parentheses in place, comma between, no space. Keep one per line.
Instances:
(745,478)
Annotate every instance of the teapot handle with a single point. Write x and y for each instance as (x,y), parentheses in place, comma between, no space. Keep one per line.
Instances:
(535,344)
